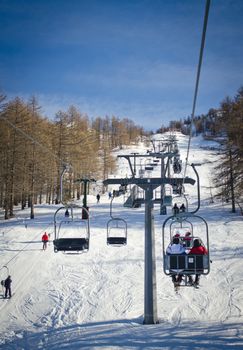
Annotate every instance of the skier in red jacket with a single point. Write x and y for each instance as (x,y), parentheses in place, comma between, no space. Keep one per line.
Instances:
(45,240)
(197,249)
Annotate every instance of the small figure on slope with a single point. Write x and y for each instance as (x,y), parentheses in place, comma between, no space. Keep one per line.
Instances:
(45,239)
(7,285)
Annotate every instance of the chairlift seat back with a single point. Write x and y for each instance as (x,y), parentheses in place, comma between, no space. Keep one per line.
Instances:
(177,262)
(71,244)
(187,264)
(118,241)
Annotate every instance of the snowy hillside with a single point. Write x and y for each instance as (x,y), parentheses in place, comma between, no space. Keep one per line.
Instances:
(96,300)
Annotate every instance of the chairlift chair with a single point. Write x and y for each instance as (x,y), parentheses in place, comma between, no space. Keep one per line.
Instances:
(177,167)
(179,200)
(167,200)
(178,189)
(150,168)
(116,232)
(116,229)
(72,235)
(185,264)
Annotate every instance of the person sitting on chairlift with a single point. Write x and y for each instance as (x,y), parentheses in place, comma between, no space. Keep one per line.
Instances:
(187,239)
(176,248)
(183,208)
(197,249)
(175,209)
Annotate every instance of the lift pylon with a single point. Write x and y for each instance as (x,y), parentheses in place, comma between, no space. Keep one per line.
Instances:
(150,289)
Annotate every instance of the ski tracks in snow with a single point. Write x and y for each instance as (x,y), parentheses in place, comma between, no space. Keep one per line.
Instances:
(81,289)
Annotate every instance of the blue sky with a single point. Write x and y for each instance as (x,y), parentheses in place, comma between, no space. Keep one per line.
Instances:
(129,58)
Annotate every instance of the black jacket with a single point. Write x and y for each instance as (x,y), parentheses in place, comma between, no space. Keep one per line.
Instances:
(8,282)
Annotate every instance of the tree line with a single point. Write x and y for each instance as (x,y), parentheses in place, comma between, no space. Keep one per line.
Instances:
(35,151)
(224,124)
(229,173)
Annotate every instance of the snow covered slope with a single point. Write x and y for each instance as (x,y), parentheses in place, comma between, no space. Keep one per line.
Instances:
(96,300)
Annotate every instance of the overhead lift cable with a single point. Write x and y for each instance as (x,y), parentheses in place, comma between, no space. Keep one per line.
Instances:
(198,78)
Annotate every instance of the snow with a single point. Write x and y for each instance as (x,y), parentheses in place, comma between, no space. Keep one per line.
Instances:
(95,300)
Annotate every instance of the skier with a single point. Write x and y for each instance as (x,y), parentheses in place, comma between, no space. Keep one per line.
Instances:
(98,198)
(67,213)
(7,285)
(45,239)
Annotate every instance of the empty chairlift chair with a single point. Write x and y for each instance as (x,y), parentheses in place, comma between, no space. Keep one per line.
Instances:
(72,235)
(116,232)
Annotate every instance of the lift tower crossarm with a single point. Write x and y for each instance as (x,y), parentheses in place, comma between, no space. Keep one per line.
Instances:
(156,181)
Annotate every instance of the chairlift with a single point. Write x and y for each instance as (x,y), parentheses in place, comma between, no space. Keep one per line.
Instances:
(185,264)
(167,200)
(181,201)
(72,234)
(178,189)
(177,166)
(141,173)
(116,230)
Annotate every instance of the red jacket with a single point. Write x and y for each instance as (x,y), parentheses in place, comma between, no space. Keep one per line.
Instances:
(201,250)
(45,237)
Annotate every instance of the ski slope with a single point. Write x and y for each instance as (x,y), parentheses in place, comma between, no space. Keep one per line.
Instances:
(96,300)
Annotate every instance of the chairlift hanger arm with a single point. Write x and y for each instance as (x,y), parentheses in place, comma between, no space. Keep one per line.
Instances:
(129,162)
(198,187)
